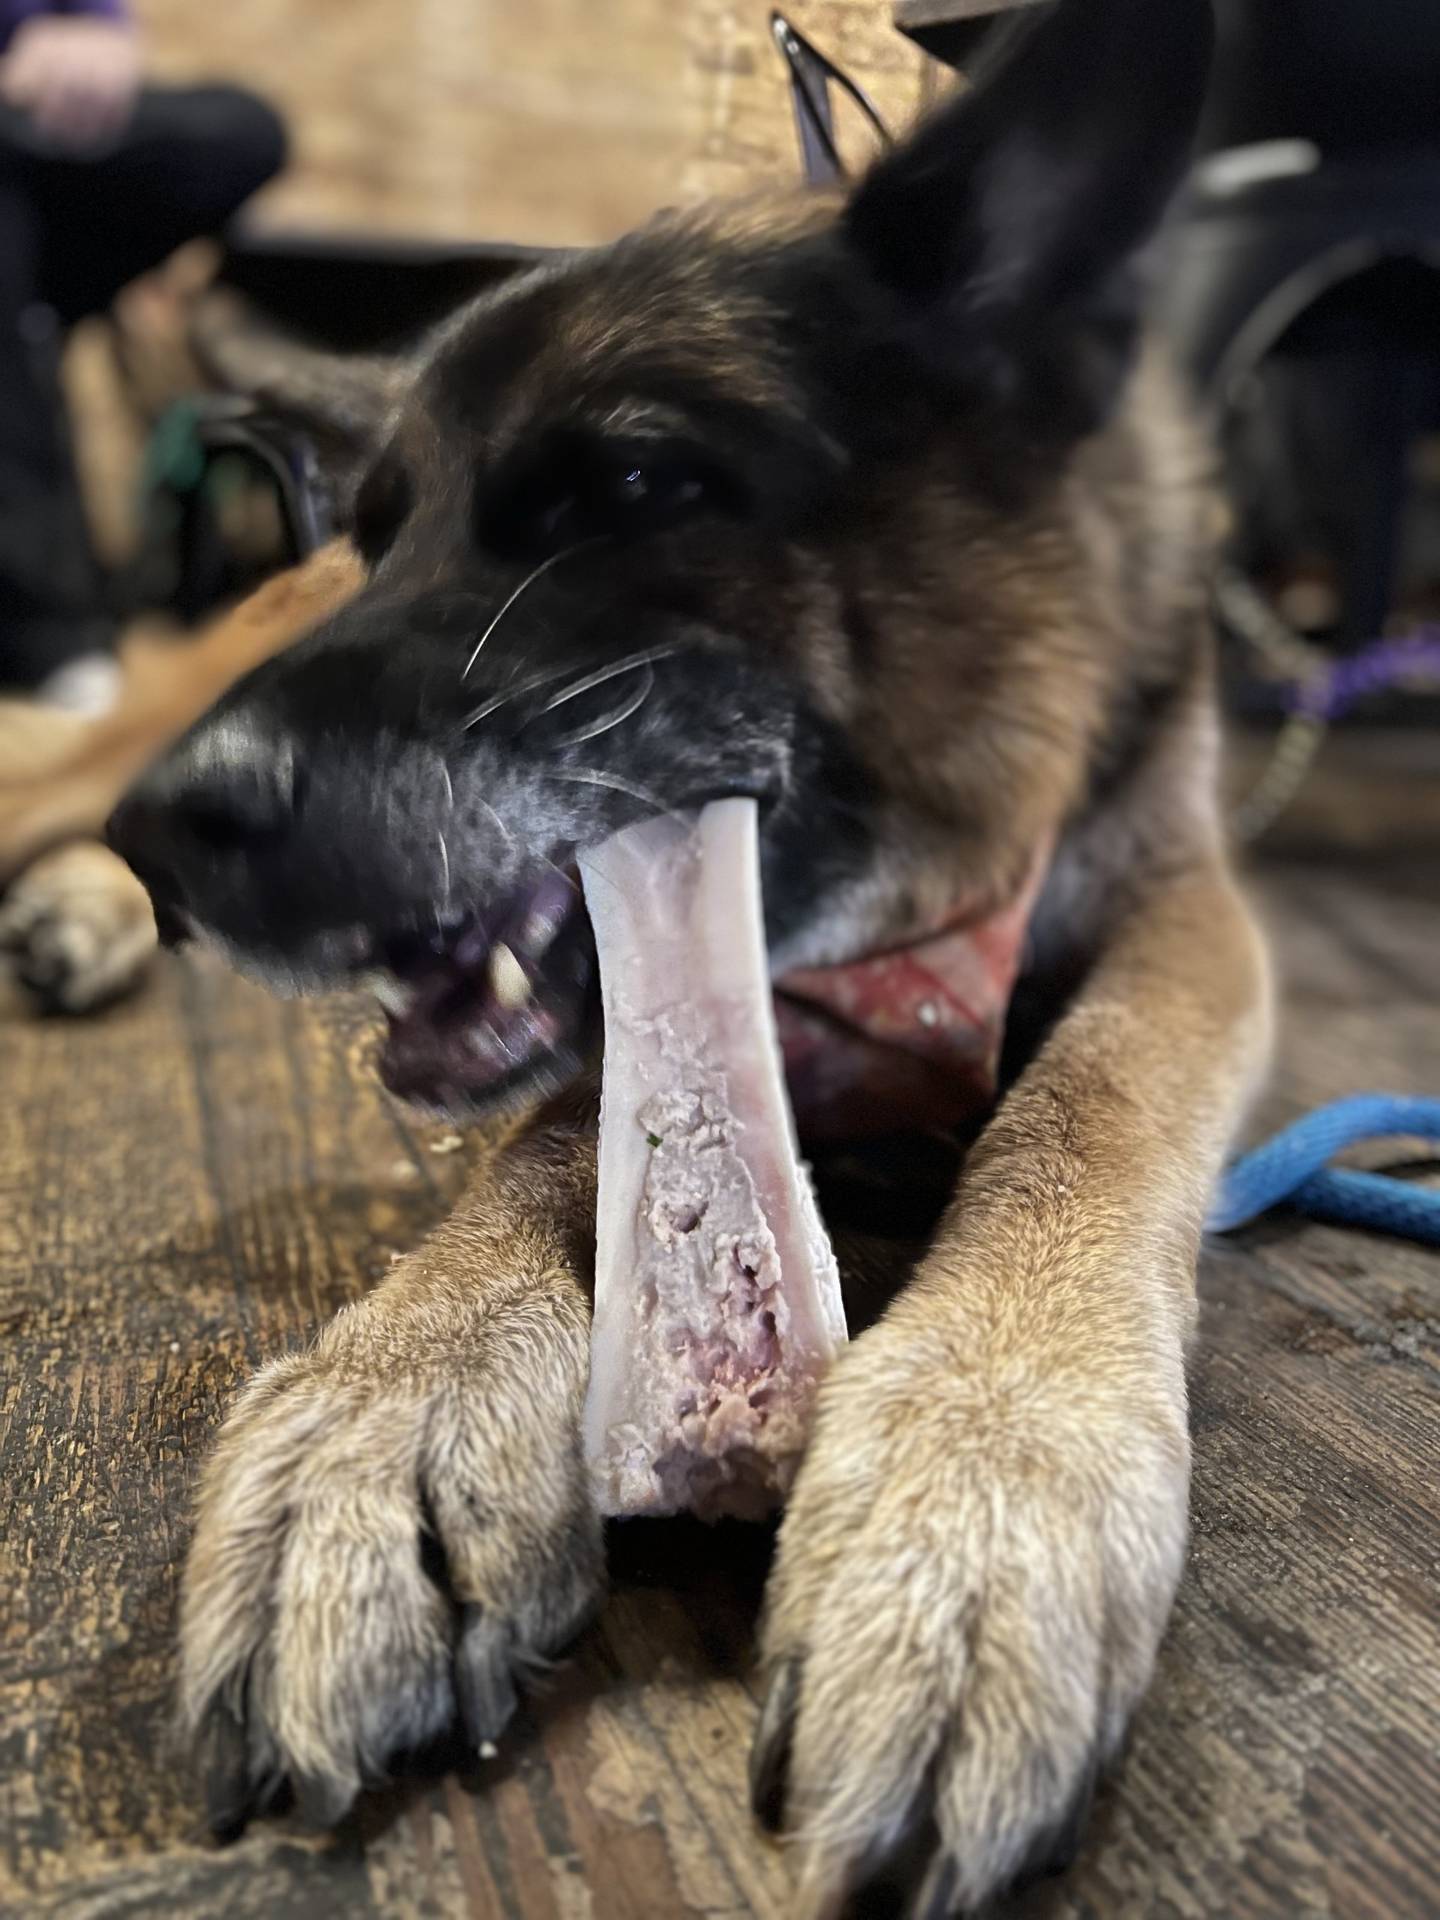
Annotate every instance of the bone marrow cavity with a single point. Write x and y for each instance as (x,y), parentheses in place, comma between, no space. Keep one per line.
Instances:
(717,1304)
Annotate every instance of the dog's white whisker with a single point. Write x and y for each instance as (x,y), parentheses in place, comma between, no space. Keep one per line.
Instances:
(555,867)
(449,787)
(505,832)
(444,863)
(536,573)
(646,658)
(613,719)
(592,777)
(507,694)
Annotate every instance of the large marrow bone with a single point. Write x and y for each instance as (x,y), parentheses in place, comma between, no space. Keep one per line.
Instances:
(717,1300)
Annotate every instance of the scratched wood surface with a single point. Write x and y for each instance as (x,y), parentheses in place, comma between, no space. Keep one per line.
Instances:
(193,1181)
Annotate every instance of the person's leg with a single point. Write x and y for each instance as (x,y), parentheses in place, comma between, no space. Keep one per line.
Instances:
(49,586)
(187,162)
(74,229)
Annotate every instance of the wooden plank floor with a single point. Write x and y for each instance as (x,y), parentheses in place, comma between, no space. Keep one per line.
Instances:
(194,1180)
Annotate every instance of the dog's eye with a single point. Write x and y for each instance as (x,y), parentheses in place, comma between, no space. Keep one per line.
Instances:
(381,508)
(624,496)
(657,490)
(584,490)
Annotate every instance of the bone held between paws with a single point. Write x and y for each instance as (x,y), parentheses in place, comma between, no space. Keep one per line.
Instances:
(717,1299)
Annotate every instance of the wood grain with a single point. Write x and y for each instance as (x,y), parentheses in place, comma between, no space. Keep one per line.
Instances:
(545,121)
(195,1180)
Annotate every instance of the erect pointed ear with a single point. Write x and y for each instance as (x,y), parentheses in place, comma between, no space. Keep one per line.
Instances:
(1016,207)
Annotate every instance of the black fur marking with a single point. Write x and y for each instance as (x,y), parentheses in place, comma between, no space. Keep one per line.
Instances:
(384,501)
(1006,224)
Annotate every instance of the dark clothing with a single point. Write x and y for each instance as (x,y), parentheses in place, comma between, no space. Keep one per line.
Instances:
(1349,77)
(73,230)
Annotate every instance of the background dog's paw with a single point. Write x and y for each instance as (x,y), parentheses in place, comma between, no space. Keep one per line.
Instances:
(393,1529)
(76,929)
(974,1572)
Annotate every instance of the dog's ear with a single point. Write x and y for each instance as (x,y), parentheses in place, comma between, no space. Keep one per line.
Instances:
(343,402)
(1011,217)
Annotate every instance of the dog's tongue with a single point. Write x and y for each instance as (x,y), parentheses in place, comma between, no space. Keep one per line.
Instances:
(907,1040)
(717,1301)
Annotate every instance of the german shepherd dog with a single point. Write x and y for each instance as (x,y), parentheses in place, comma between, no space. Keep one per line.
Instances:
(881,509)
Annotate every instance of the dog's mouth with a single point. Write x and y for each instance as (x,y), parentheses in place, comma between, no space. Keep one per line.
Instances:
(493,1004)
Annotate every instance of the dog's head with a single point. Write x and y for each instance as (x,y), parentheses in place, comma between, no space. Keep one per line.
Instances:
(761,499)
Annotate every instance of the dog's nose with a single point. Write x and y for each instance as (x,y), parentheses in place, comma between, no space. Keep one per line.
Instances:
(223,790)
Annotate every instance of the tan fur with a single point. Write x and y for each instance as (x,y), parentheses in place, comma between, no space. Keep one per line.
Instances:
(76,928)
(63,775)
(982,1549)
(448,1400)
(75,925)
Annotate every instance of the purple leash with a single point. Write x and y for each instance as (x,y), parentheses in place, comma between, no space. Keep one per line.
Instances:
(1378,665)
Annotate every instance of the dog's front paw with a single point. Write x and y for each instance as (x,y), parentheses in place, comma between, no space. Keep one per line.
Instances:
(76,929)
(973,1576)
(393,1528)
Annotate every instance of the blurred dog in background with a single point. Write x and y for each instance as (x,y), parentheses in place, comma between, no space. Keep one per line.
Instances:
(76,929)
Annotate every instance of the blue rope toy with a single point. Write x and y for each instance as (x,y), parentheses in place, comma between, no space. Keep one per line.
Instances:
(1293,1167)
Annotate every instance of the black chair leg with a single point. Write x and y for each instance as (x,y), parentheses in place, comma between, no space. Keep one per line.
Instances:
(1400,387)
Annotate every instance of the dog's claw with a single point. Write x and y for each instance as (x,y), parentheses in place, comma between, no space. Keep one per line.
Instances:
(224,1757)
(770,1749)
(1055,1850)
(342,1666)
(909,1874)
(322,1800)
(927,1759)
(484,1683)
(938,1898)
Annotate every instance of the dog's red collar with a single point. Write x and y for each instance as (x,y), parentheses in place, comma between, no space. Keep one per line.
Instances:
(910,1038)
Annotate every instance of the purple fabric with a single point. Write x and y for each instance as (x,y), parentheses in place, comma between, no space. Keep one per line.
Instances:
(1375,667)
(14,12)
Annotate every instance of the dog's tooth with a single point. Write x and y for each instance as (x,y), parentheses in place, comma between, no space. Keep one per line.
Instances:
(394,996)
(538,933)
(509,981)
(550,906)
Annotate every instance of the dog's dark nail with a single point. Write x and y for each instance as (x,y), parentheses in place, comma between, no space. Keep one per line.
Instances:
(770,1749)
(1070,1832)
(224,1761)
(1055,1849)
(939,1893)
(484,1684)
(321,1800)
(274,1797)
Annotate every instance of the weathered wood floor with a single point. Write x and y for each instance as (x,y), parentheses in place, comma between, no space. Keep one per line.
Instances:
(191,1182)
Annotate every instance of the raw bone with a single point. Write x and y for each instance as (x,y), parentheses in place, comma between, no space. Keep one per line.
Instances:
(717,1300)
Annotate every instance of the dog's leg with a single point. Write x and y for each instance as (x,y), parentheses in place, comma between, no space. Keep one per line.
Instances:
(397,1522)
(76,928)
(986,1535)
